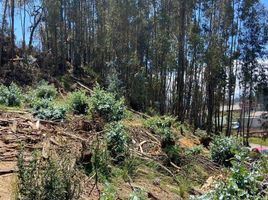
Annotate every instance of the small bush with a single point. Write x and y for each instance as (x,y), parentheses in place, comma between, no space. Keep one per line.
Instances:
(79,102)
(131,165)
(117,141)
(108,192)
(44,90)
(195,150)
(223,149)
(173,153)
(167,138)
(159,124)
(53,179)
(162,126)
(106,105)
(138,194)
(101,163)
(45,109)
(10,96)
(244,183)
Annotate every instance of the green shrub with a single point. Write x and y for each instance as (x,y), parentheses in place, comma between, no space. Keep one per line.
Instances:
(117,141)
(45,109)
(53,179)
(106,105)
(244,183)
(158,124)
(167,138)
(79,102)
(173,153)
(108,192)
(101,163)
(131,165)
(44,90)
(195,150)
(162,126)
(223,149)
(10,96)
(138,194)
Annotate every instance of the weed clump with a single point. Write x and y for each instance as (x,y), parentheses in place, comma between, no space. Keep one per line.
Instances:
(47,110)
(223,149)
(158,124)
(162,126)
(138,194)
(10,96)
(45,91)
(106,105)
(53,179)
(117,141)
(79,102)
(195,150)
(244,182)
(108,193)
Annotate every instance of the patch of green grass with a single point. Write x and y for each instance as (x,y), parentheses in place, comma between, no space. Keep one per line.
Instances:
(259,141)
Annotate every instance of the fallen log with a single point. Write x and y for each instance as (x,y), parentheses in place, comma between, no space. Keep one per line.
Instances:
(7,171)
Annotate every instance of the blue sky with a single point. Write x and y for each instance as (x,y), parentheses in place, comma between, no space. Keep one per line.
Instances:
(19,30)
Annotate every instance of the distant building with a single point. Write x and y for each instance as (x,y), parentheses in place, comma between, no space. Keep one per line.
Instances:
(256,120)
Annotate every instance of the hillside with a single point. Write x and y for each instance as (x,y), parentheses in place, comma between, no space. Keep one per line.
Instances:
(149,174)
(88,145)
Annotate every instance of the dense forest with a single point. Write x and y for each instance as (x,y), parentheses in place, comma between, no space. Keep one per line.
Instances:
(190,59)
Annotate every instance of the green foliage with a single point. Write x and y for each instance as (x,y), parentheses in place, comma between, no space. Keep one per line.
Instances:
(45,109)
(53,179)
(200,133)
(158,124)
(108,192)
(131,165)
(173,153)
(10,96)
(195,150)
(114,83)
(106,105)
(45,90)
(79,102)
(101,163)
(117,141)
(138,194)
(162,126)
(244,183)
(167,138)
(223,149)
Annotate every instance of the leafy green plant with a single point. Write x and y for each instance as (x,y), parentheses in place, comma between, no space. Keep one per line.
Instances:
(53,179)
(167,138)
(173,153)
(194,150)
(45,109)
(79,102)
(10,96)
(131,165)
(158,124)
(101,163)
(162,126)
(106,105)
(45,90)
(117,141)
(244,183)
(223,149)
(138,194)
(108,192)
(114,83)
